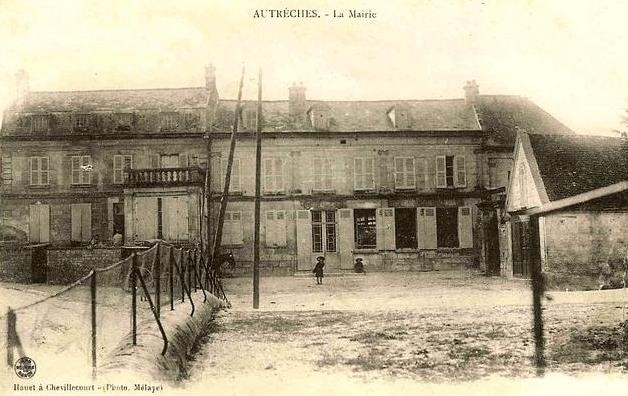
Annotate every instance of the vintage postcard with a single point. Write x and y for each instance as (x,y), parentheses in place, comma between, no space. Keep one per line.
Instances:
(313,197)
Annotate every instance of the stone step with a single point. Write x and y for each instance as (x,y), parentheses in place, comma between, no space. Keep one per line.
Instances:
(347,274)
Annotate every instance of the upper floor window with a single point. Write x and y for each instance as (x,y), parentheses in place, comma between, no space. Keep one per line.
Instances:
(249,119)
(405,176)
(40,123)
(39,171)
(123,121)
(120,164)
(399,117)
(319,118)
(169,121)
(232,230)
(191,119)
(451,171)
(81,169)
(81,122)
(364,173)
(322,174)
(234,182)
(273,175)
(7,170)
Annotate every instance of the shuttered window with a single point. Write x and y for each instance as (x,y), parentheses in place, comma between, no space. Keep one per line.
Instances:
(451,171)
(40,123)
(169,121)
(363,174)
(365,228)
(39,171)
(120,164)
(405,177)
(39,223)
(232,229)
(324,238)
(234,183)
(249,119)
(81,222)
(461,171)
(275,228)
(81,169)
(7,170)
(321,168)
(273,175)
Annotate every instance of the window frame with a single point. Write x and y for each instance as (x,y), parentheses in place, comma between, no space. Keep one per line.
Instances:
(362,177)
(81,122)
(229,220)
(274,175)
(372,228)
(405,173)
(124,121)
(82,174)
(249,118)
(323,175)
(233,187)
(169,120)
(38,170)
(325,224)
(120,170)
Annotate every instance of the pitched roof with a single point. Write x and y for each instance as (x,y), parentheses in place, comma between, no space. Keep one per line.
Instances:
(360,116)
(574,164)
(502,116)
(124,99)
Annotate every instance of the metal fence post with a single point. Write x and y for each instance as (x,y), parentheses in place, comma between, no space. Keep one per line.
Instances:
(171,277)
(158,280)
(93,293)
(182,278)
(134,297)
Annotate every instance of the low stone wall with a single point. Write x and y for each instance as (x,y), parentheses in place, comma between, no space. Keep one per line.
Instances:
(65,265)
(15,264)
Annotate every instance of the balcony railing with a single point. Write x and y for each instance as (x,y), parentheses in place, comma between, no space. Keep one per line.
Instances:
(164,177)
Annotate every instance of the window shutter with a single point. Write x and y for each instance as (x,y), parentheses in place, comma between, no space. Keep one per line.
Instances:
(441,172)
(34,224)
(76,222)
(183,160)
(421,173)
(426,224)
(304,240)
(154,161)
(45,170)
(280,228)
(345,238)
(465,227)
(385,226)
(86,222)
(33,177)
(461,172)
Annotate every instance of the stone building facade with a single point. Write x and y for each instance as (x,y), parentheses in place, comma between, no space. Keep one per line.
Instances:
(395,182)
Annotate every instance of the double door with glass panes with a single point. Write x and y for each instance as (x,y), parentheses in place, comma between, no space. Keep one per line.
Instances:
(325,238)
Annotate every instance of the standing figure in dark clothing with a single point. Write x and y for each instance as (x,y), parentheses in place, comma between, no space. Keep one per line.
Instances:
(318,269)
(358,267)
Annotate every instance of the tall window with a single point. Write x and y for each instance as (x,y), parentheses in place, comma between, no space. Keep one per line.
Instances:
(364,174)
(275,228)
(123,121)
(322,174)
(447,227)
(120,164)
(451,171)
(234,183)
(404,173)
(81,169)
(273,175)
(232,230)
(365,230)
(169,121)
(320,119)
(39,123)
(39,171)
(323,231)
(405,228)
(7,170)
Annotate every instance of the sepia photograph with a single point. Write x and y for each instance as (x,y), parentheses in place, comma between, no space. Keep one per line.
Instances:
(314,197)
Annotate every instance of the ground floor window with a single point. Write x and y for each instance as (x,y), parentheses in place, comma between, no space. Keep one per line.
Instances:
(447,227)
(365,229)
(323,231)
(405,228)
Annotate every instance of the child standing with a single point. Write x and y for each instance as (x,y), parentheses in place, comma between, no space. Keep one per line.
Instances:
(318,269)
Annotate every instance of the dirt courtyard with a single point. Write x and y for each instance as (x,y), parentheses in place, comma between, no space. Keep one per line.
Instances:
(388,332)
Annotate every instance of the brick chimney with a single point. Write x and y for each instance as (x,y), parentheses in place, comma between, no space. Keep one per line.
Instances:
(471,92)
(22,86)
(210,77)
(296,96)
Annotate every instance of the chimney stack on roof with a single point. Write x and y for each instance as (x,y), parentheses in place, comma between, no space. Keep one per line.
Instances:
(471,92)
(210,77)
(22,85)
(296,96)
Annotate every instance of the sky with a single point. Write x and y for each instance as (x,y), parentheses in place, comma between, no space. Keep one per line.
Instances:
(569,57)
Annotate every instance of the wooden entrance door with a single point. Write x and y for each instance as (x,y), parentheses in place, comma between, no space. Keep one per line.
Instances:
(491,236)
(521,245)
(39,262)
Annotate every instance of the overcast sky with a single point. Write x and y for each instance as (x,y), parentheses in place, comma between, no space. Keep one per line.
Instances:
(570,57)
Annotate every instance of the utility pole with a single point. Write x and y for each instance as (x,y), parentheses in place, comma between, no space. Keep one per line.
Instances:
(225,192)
(258,188)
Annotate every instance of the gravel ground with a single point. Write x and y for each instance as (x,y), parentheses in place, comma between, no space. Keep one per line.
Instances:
(395,332)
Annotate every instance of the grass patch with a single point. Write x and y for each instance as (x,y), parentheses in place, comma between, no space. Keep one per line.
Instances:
(464,353)
(594,344)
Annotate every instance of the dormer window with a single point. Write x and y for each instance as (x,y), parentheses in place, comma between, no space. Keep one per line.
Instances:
(249,119)
(81,122)
(123,121)
(399,117)
(169,121)
(319,119)
(39,123)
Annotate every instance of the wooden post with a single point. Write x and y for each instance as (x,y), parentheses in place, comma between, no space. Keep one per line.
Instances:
(538,289)
(11,319)
(225,192)
(258,188)
(93,294)
(134,297)
(158,280)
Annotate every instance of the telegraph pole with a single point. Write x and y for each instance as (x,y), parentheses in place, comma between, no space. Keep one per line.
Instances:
(258,184)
